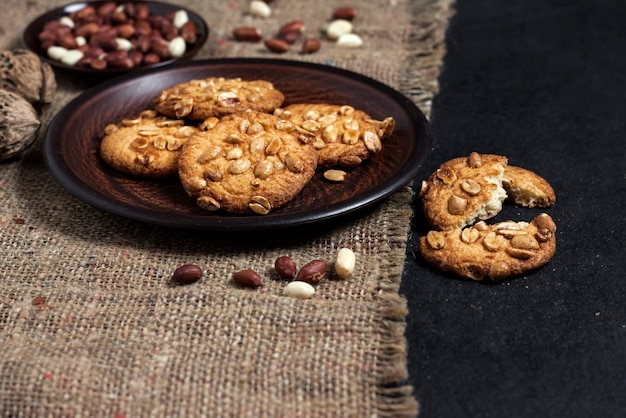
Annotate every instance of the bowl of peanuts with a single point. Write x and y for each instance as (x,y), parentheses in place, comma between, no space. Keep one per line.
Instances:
(108,38)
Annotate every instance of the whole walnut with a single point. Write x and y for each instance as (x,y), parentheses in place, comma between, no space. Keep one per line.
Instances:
(22,72)
(19,124)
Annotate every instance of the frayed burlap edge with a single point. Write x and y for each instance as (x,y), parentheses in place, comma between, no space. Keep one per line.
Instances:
(419,82)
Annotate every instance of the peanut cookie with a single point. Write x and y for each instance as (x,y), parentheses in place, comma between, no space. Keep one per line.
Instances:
(217,96)
(246,163)
(492,252)
(464,190)
(342,135)
(526,188)
(145,146)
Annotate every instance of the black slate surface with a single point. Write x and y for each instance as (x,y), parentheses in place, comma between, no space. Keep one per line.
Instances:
(544,83)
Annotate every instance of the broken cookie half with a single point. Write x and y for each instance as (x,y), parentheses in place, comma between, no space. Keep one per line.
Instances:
(526,188)
(464,190)
(492,252)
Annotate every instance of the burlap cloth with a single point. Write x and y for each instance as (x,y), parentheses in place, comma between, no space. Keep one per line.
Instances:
(90,324)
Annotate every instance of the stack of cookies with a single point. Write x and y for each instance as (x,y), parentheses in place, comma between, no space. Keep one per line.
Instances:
(461,195)
(234,148)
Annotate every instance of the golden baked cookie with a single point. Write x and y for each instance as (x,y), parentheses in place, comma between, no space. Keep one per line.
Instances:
(145,146)
(217,96)
(526,188)
(342,135)
(464,190)
(246,163)
(494,252)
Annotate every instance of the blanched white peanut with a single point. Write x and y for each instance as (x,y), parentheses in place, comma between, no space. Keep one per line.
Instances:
(299,290)
(338,27)
(260,8)
(177,47)
(56,52)
(72,57)
(123,44)
(180,18)
(67,21)
(349,40)
(345,262)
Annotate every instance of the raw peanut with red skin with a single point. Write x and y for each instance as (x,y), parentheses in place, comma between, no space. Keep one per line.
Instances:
(161,48)
(311,45)
(312,272)
(84,13)
(105,40)
(248,278)
(247,34)
(98,64)
(285,267)
(125,31)
(188,32)
(277,45)
(346,13)
(151,58)
(143,28)
(142,11)
(87,30)
(105,9)
(187,274)
(136,57)
(290,32)
(118,59)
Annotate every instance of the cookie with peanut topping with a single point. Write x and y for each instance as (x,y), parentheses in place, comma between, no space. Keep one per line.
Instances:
(342,135)
(200,99)
(464,190)
(145,146)
(246,163)
(526,188)
(492,252)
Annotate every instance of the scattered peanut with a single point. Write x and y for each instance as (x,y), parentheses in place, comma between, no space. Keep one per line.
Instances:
(291,31)
(277,45)
(299,290)
(338,27)
(349,40)
(311,45)
(260,9)
(247,34)
(345,13)
(248,278)
(312,272)
(285,267)
(187,274)
(345,263)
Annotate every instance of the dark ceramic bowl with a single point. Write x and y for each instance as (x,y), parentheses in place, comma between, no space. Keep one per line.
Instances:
(31,33)
(73,137)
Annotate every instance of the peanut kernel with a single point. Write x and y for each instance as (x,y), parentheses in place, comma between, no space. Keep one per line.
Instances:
(436,240)
(345,263)
(456,205)
(470,187)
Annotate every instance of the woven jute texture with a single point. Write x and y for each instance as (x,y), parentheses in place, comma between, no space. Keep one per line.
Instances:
(90,324)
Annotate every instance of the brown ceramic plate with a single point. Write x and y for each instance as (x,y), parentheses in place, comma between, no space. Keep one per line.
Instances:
(31,32)
(72,139)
